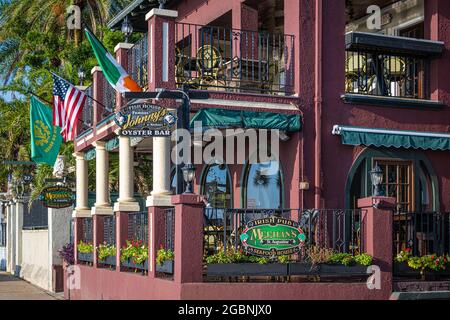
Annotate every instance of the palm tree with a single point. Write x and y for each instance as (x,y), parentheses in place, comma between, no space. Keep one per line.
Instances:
(20,18)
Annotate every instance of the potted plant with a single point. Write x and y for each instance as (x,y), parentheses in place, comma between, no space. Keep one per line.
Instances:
(85,251)
(165,260)
(234,262)
(346,264)
(107,254)
(428,266)
(67,254)
(134,255)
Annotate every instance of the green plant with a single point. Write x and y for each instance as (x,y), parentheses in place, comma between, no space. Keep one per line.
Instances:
(85,248)
(364,259)
(404,255)
(345,259)
(232,255)
(284,259)
(105,250)
(164,255)
(135,250)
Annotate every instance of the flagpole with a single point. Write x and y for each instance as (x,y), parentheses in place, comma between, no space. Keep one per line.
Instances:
(40,98)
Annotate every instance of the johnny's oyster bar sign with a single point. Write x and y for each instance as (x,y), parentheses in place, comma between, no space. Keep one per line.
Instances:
(145,120)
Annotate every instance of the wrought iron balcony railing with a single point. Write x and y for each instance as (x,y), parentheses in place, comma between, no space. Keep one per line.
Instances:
(225,59)
(87,114)
(389,75)
(138,62)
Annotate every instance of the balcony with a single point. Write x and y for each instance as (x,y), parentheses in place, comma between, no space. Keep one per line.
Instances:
(231,60)
(388,69)
(138,62)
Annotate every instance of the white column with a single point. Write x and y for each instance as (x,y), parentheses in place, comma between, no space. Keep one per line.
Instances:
(9,239)
(161,173)
(126,201)
(102,203)
(18,233)
(82,205)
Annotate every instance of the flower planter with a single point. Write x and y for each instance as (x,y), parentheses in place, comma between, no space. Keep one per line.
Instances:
(341,270)
(247,269)
(302,269)
(165,267)
(129,264)
(402,269)
(109,261)
(86,257)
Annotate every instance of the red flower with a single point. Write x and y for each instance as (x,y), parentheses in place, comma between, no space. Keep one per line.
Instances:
(408,250)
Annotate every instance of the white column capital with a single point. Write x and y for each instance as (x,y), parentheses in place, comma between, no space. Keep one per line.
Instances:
(99,145)
(79,155)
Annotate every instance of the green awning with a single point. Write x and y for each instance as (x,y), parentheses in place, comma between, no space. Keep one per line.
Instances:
(223,119)
(357,136)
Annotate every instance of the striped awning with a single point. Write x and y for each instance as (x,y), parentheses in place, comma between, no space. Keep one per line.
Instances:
(357,136)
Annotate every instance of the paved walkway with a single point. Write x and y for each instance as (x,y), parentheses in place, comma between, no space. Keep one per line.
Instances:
(12,288)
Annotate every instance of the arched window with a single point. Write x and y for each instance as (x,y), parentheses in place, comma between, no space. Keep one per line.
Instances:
(216,186)
(263,186)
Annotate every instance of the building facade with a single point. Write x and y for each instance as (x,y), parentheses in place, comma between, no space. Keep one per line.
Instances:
(349,90)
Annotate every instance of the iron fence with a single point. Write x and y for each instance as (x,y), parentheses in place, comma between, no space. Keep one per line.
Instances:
(3,232)
(87,114)
(339,230)
(36,217)
(234,60)
(138,226)
(108,98)
(423,232)
(87,234)
(138,62)
(109,230)
(169,235)
(389,75)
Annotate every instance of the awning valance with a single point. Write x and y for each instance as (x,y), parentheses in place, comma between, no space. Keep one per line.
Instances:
(223,119)
(356,136)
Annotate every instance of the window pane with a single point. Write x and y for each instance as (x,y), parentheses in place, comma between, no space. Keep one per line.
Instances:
(264,186)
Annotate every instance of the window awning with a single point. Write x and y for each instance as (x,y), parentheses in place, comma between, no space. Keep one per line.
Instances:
(223,119)
(356,136)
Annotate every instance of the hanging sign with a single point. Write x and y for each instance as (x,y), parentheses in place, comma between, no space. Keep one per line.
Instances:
(272,237)
(145,120)
(57,197)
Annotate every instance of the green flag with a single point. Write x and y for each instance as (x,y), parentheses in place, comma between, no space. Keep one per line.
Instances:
(45,138)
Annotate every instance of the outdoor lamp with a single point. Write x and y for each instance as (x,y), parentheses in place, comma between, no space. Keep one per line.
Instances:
(376,175)
(189,175)
(162,4)
(81,75)
(127,29)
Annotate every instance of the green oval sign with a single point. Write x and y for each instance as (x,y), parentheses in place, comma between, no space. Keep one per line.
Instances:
(57,197)
(272,237)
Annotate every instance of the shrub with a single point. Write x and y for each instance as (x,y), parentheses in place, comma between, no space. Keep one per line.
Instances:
(85,248)
(105,250)
(135,250)
(364,259)
(164,255)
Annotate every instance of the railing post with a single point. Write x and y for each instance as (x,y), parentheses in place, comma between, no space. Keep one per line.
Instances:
(161,35)
(188,238)
(377,230)
(155,235)
(121,234)
(97,91)
(97,235)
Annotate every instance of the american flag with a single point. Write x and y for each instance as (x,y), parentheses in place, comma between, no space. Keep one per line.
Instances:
(68,102)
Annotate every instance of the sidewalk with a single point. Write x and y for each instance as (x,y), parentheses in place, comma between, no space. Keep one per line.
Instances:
(12,288)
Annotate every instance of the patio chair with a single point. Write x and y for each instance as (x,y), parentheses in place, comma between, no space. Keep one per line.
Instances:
(210,67)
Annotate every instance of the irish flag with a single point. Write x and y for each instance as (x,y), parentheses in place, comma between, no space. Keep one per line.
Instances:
(112,70)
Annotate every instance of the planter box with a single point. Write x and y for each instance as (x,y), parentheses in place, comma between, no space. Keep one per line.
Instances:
(247,269)
(341,270)
(166,267)
(86,257)
(303,269)
(131,265)
(109,261)
(403,270)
